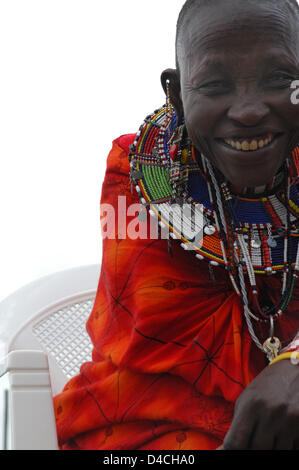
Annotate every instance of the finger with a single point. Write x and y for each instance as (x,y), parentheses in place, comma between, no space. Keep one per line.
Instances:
(268,437)
(262,439)
(288,431)
(283,443)
(296,445)
(288,435)
(241,433)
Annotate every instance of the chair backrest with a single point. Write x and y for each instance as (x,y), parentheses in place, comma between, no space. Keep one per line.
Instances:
(50,315)
(44,342)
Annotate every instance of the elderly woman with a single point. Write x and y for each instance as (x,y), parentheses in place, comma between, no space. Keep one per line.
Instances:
(195,338)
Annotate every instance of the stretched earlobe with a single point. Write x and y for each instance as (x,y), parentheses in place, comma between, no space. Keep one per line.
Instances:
(172,77)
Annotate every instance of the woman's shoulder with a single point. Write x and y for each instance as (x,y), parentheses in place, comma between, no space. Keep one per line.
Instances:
(124,141)
(118,161)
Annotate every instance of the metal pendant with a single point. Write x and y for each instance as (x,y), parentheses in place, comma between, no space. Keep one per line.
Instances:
(209,230)
(272,347)
(271,242)
(256,243)
(136,174)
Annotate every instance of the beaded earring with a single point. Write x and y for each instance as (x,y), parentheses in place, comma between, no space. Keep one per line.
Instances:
(168,106)
(180,151)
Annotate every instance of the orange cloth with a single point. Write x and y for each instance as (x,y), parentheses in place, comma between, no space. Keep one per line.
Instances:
(172,351)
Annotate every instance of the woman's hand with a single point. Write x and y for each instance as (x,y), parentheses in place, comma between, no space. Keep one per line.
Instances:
(266,415)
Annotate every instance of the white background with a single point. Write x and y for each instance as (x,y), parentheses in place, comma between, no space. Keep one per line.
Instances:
(75,74)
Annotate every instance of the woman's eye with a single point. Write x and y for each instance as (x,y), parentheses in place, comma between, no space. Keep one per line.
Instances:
(215,87)
(280,79)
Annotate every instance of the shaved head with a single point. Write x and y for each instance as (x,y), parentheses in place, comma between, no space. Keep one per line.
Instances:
(191,9)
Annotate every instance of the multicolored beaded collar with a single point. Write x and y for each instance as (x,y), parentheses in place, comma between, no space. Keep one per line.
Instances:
(248,235)
(161,180)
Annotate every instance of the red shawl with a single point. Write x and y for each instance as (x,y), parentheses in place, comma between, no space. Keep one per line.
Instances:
(172,351)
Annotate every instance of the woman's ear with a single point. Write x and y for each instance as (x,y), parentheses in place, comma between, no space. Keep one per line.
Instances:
(172,77)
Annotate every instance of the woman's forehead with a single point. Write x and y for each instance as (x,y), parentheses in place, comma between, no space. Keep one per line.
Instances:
(214,29)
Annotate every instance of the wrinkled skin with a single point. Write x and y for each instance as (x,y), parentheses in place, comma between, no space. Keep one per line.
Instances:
(236,65)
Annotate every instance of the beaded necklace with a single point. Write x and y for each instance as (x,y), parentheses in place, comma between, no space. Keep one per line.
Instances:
(247,235)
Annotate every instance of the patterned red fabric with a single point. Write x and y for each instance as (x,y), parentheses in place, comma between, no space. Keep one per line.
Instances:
(172,351)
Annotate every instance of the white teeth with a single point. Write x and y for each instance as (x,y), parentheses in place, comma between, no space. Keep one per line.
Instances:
(245,146)
(250,145)
(261,144)
(253,145)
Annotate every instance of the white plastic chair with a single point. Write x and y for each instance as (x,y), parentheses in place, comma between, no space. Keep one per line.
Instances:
(44,343)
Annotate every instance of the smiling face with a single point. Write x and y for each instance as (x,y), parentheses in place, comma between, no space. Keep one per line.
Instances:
(237,63)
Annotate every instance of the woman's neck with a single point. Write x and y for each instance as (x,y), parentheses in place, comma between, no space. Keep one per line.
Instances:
(259,190)
(246,190)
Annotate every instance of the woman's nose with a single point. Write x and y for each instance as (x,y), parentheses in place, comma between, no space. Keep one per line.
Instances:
(248,109)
